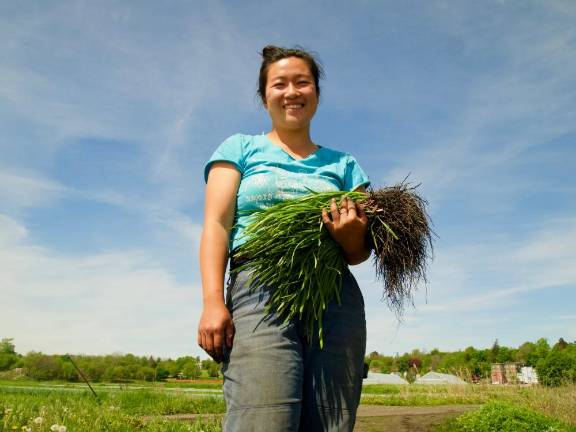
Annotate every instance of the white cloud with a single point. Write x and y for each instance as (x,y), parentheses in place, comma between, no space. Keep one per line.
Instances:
(11,232)
(25,190)
(520,100)
(101,303)
(471,286)
(91,71)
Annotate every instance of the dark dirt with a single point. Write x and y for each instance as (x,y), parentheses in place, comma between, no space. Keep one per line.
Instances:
(375,418)
(378,418)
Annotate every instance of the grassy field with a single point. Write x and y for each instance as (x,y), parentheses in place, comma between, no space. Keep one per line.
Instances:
(504,417)
(26,405)
(523,406)
(557,402)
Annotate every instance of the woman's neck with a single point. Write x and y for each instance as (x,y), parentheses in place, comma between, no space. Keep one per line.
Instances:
(297,142)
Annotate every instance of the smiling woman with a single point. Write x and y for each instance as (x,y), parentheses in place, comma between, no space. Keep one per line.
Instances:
(291,97)
(275,378)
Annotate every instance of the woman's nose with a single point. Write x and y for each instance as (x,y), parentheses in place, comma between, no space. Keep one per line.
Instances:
(291,90)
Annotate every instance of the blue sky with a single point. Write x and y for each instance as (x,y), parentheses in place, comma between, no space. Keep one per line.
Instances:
(109,110)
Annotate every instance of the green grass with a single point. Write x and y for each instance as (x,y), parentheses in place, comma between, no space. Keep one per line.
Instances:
(425,395)
(129,410)
(499,416)
(128,407)
(216,385)
(381,389)
(557,402)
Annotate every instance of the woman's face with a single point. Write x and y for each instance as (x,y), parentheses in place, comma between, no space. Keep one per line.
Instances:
(291,96)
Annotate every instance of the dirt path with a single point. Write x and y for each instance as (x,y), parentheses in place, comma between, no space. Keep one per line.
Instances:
(378,418)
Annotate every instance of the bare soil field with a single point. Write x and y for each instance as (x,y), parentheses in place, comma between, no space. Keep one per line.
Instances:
(378,418)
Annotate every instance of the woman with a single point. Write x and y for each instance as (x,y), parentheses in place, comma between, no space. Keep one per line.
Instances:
(274,379)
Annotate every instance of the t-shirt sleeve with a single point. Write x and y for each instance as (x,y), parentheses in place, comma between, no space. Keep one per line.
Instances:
(354,175)
(231,150)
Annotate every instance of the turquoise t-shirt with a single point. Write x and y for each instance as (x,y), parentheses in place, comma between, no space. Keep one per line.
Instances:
(270,175)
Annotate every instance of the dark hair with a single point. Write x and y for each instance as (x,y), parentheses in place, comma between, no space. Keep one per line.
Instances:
(272,54)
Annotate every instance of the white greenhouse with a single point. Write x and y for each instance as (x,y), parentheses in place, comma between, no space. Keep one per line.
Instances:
(438,378)
(381,378)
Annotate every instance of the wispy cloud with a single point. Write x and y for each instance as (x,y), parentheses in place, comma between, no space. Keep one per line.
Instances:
(473,286)
(20,190)
(106,302)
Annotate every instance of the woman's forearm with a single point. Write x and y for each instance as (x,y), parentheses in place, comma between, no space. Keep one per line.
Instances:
(213,260)
(356,252)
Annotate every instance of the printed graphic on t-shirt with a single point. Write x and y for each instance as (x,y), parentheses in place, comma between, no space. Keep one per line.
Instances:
(262,190)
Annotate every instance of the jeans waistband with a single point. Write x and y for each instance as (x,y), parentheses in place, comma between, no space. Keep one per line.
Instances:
(236,260)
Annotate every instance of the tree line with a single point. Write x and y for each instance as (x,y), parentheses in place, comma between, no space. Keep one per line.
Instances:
(554,364)
(103,368)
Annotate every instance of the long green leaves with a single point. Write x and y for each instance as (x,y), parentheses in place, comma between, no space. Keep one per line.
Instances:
(288,249)
(291,251)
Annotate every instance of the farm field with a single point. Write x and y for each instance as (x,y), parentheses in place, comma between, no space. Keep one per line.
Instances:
(35,407)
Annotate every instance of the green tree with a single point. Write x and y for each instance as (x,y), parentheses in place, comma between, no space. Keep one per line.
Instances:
(434,360)
(8,356)
(559,366)
(504,355)
(145,373)
(214,370)
(494,351)
(191,369)
(541,350)
(524,353)
(561,344)
(7,346)
(42,367)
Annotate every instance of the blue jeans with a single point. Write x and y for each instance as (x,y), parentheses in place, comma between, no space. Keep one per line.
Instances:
(275,380)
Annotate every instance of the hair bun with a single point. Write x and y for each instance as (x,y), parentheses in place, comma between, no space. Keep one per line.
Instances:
(270,51)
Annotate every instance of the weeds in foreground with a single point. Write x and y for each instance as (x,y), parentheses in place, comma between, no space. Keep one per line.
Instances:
(557,402)
(32,411)
(504,417)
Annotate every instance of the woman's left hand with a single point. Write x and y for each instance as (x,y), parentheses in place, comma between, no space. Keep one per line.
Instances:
(348,227)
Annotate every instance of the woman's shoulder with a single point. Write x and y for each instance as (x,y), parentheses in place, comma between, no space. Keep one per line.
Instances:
(244,140)
(336,155)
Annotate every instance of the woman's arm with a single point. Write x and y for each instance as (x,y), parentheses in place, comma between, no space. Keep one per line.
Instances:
(348,228)
(216,328)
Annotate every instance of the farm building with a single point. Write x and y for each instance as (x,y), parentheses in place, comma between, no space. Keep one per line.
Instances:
(510,373)
(528,375)
(498,374)
(380,378)
(439,378)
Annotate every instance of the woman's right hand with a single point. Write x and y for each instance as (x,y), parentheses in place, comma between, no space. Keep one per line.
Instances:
(215,329)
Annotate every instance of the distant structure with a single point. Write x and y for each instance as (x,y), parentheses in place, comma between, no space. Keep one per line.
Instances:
(512,373)
(380,378)
(528,375)
(498,374)
(437,378)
